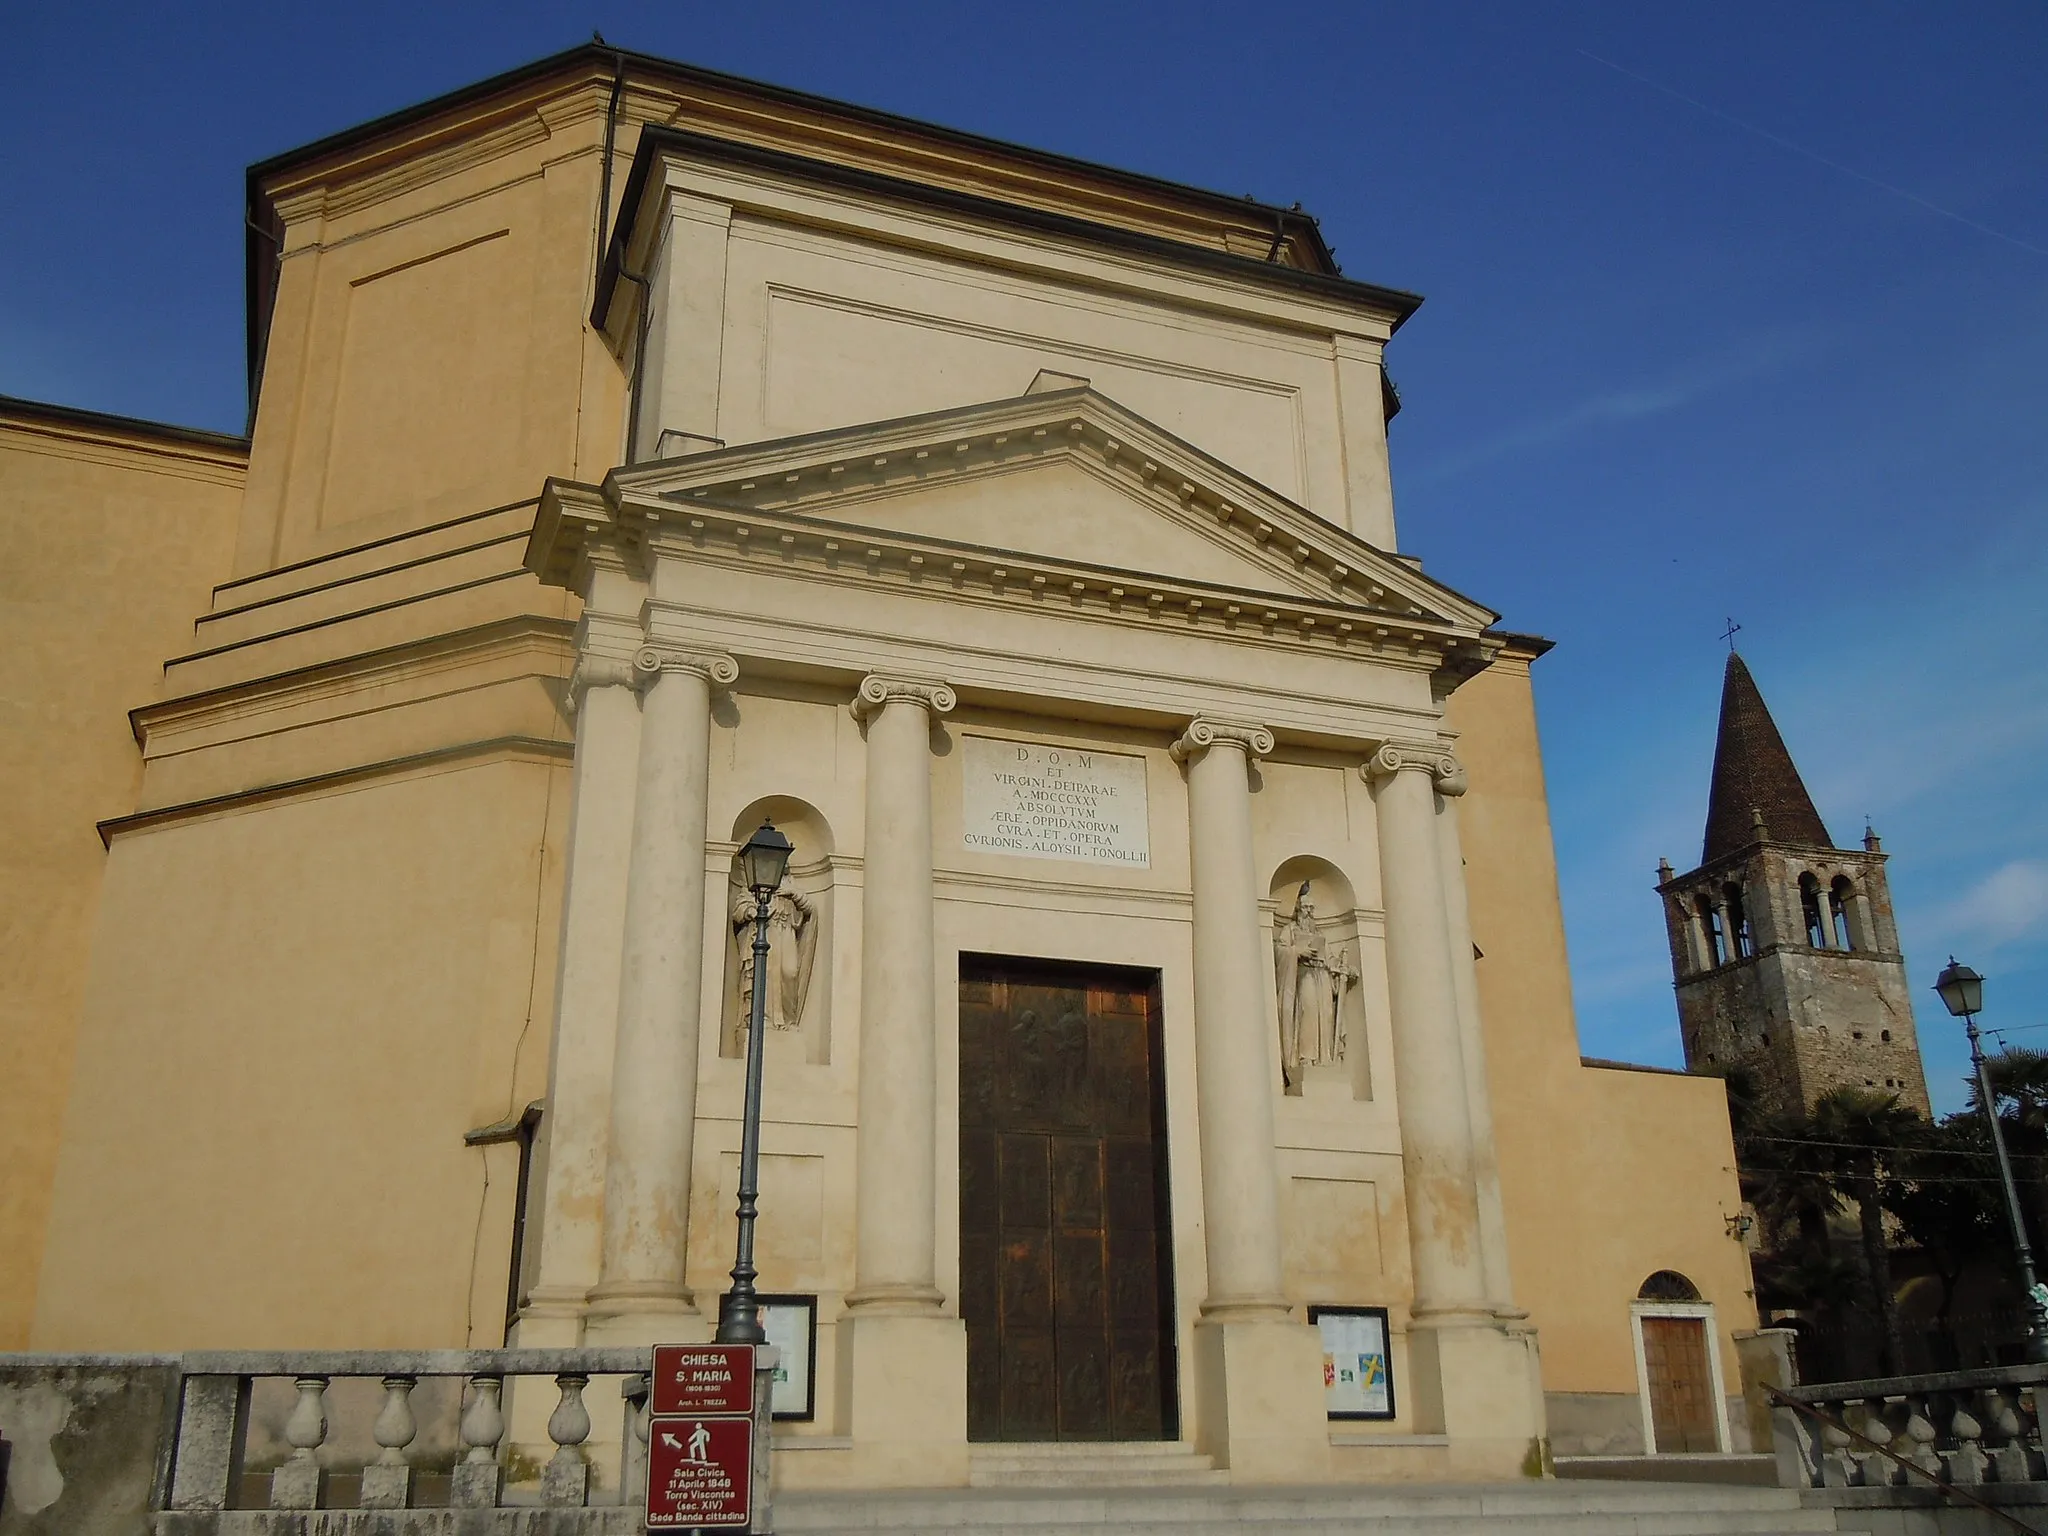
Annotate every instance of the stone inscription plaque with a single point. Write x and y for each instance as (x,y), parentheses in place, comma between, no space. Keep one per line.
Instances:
(1041,802)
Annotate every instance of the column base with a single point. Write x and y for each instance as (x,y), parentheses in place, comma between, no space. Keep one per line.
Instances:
(1258,1395)
(631,1316)
(902,1399)
(1481,1386)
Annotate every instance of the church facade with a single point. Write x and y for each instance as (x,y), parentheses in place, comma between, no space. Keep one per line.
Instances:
(1169,988)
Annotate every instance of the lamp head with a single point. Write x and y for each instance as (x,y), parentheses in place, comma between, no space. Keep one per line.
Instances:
(1961,989)
(764,859)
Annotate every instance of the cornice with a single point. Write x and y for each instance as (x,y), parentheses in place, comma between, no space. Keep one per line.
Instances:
(217,455)
(533,748)
(849,466)
(791,544)
(355,673)
(970,194)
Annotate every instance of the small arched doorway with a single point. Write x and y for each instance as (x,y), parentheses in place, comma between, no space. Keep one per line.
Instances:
(1677,1367)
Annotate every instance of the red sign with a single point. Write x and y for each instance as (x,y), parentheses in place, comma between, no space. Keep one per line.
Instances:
(703,1378)
(699,1472)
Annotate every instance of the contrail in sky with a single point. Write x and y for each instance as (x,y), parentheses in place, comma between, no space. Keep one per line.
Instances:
(1801,149)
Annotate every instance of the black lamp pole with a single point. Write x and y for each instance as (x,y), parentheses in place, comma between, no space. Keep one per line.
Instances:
(1962,993)
(763,861)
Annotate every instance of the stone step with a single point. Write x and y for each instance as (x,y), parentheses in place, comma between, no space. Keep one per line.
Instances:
(1092,1464)
(1059,1508)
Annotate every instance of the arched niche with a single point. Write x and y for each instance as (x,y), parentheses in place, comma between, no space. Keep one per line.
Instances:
(1319,1004)
(810,900)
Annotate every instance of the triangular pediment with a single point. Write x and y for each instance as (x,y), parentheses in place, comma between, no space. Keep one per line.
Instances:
(1068,477)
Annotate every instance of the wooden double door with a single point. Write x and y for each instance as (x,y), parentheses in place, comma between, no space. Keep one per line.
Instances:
(1683,1413)
(1065,1246)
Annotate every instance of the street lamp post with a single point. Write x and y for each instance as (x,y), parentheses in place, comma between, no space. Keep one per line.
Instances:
(1962,993)
(763,861)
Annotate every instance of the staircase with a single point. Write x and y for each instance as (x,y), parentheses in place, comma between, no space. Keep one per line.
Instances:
(1105,1464)
(1190,1497)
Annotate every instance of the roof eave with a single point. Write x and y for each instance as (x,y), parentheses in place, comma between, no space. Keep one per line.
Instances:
(1394,302)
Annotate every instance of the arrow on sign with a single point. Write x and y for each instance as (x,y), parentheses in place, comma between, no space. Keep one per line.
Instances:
(671,1441)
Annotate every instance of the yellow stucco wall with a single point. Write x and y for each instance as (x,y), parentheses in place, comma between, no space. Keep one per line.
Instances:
(297,1010)
(109,538)
(1607,1175)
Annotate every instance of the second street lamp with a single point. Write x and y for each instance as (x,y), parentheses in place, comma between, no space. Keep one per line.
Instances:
(1962,993)
(762,862)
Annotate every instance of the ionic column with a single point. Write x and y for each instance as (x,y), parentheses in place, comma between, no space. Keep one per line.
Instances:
(1233,1072)
(654,1067)
(1493,1226)
(607,715)
(896,1166)
(1429,1059)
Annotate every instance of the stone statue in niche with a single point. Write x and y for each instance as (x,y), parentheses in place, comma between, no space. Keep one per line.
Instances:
(792,946)
(1313,981)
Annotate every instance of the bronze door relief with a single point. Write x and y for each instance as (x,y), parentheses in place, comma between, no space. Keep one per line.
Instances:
(1065,1247)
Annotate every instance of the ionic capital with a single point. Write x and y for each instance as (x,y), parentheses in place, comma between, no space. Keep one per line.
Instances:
(595,671)
(1445,772)
(1204,732)
(877,692)
(651,661)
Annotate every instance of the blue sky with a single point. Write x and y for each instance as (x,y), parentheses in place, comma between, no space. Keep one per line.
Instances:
(1733,310)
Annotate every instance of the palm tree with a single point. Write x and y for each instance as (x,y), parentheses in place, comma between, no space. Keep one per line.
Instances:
(2019,1081)
(1872,1135)
(1948,1208)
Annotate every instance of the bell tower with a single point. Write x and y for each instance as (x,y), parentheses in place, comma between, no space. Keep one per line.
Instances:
(1783,946)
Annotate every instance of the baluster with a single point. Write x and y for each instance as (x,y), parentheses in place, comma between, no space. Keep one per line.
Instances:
(387,1481)
(299,1483)
(566,1478)
(1919,1436)
(633,1442)
(2027,1404)
(1967,1461)
(478,1478)
(1876,1470)
(1837,1465)
(2001,1417)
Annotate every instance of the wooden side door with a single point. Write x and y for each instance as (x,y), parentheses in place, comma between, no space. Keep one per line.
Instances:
(1064,1241)
(1682,1409)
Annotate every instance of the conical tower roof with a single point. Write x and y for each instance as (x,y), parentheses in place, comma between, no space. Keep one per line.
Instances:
(1754,773)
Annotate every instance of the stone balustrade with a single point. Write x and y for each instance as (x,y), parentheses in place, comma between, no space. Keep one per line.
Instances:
(518,1442)
(368,1433)
(1965,1428)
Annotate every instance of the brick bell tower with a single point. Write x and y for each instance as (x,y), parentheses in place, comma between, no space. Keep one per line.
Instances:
(1784,947)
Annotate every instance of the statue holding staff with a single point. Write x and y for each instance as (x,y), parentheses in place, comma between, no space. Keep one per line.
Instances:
(1312,979)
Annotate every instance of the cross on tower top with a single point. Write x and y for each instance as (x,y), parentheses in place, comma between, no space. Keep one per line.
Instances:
(1729,635)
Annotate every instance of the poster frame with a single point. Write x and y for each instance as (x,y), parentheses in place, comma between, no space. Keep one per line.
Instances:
(808,1301)
(1317,1313)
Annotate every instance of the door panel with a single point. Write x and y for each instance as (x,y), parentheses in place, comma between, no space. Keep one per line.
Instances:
(1682,1412)
(1065,1256)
